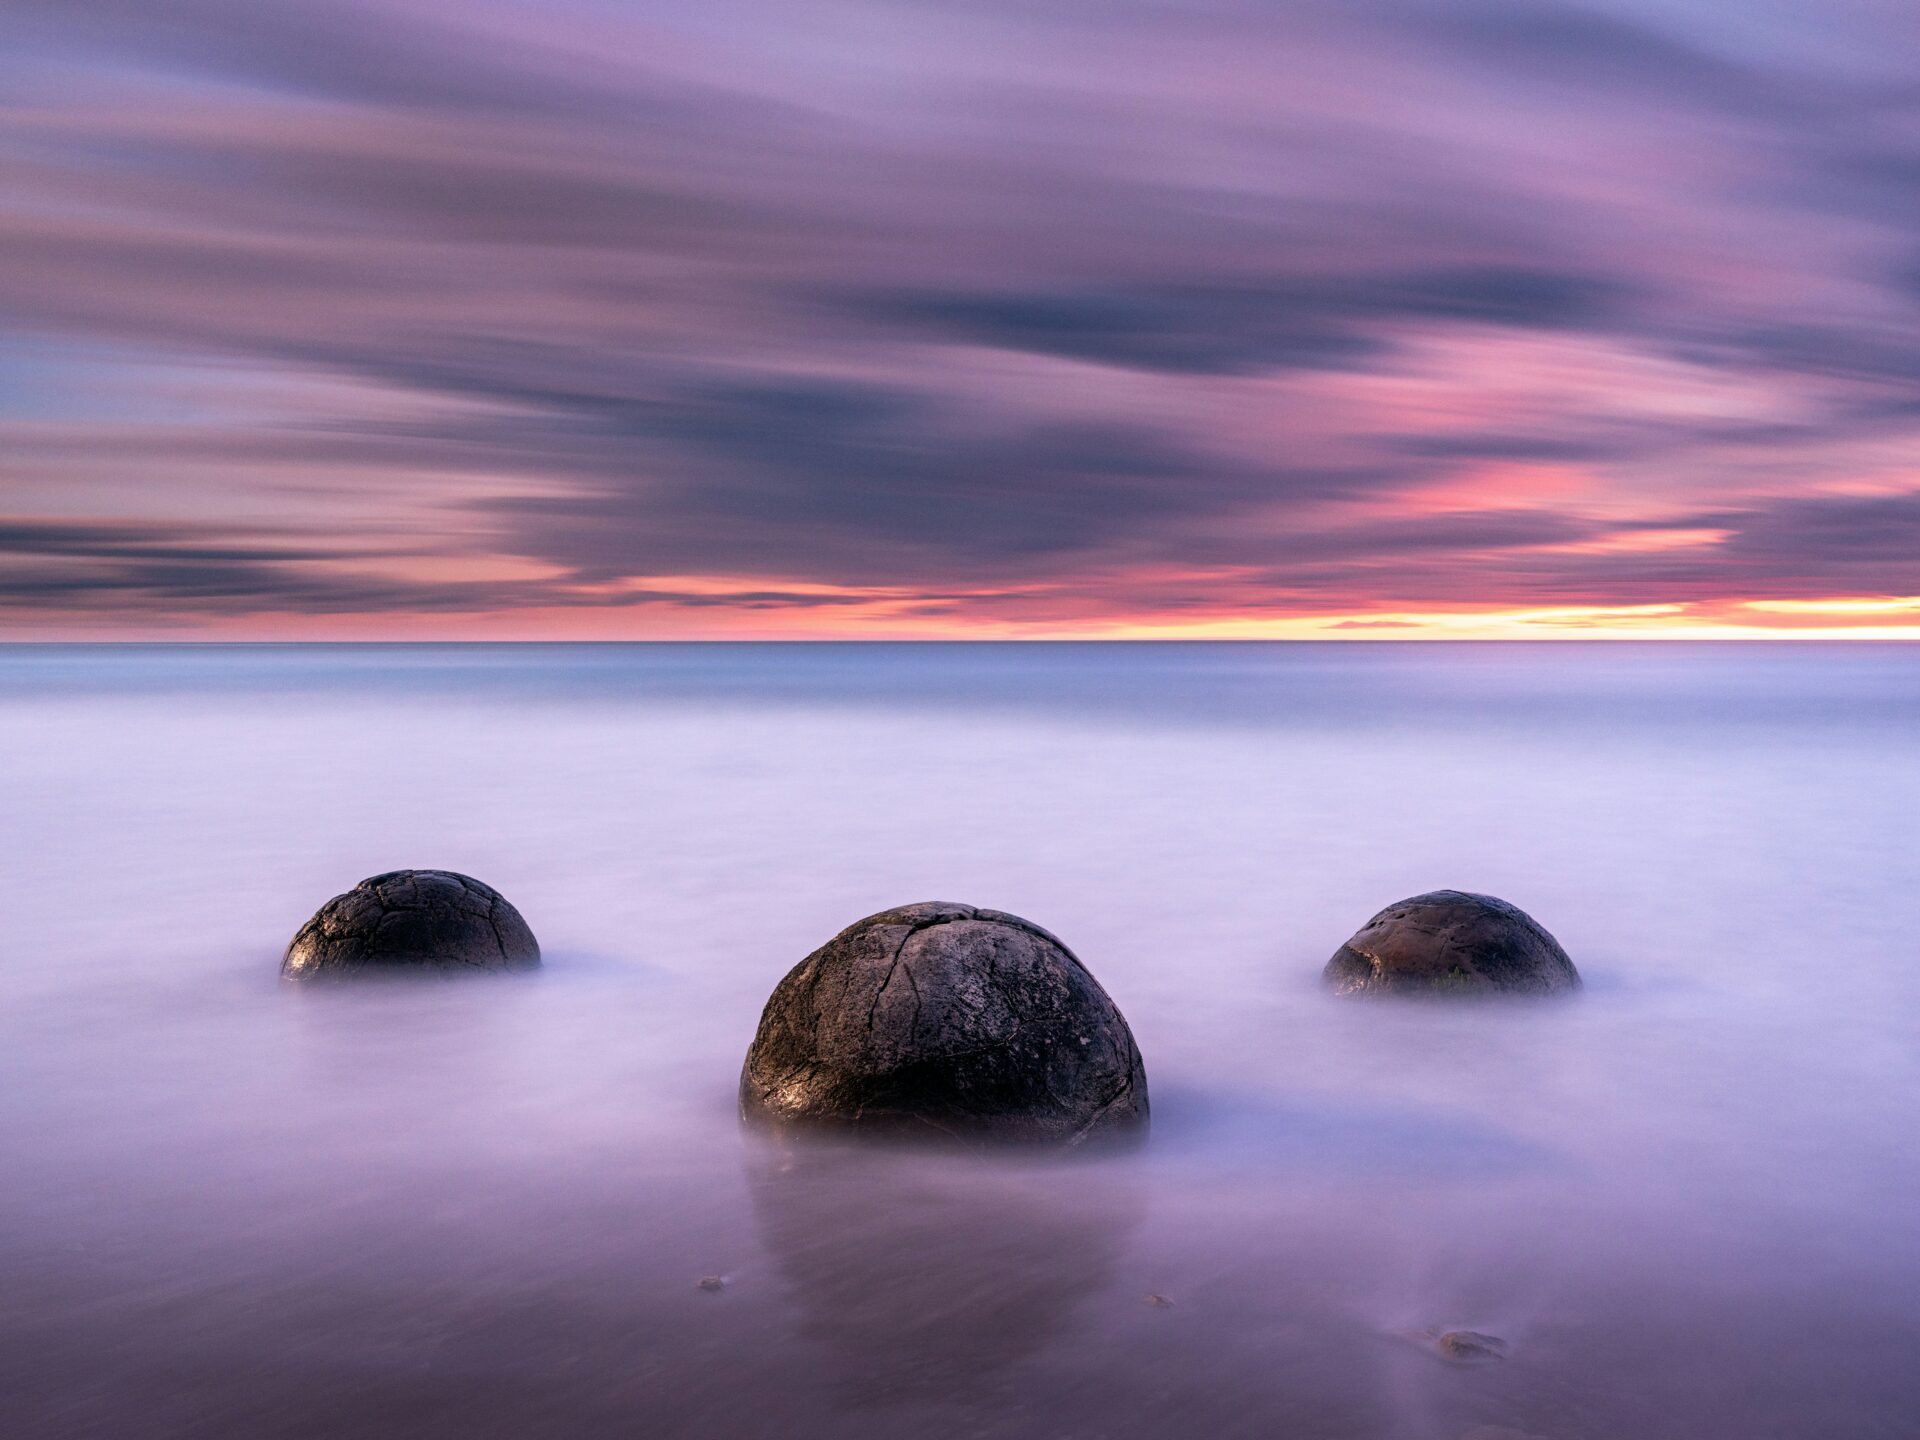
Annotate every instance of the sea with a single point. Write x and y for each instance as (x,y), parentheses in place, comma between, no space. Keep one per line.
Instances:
(1683,1204)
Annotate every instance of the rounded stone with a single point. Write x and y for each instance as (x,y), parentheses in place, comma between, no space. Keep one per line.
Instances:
(1450,941)
(410,921)
(944,1020)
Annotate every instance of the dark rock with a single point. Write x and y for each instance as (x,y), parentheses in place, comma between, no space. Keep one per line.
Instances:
(410,921)
(1451,941)
(944,1020)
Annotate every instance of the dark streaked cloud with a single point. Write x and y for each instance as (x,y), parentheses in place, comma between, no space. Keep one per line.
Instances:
(878,484)
(1871,541)
(115,567)
(174,544)
(1330,321)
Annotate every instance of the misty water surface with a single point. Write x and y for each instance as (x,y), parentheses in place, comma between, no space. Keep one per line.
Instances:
(1684,1198)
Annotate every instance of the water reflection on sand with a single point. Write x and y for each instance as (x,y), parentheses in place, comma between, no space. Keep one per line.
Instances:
(926,1275)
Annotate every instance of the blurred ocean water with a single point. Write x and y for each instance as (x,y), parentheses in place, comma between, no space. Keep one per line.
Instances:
(1683,1198)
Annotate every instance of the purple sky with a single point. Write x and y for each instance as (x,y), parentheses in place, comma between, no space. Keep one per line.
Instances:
(598,319)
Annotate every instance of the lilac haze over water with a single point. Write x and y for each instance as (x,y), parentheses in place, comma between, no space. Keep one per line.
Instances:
(1685,1198)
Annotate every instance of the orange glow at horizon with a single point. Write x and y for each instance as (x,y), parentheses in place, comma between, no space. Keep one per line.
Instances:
(867,616)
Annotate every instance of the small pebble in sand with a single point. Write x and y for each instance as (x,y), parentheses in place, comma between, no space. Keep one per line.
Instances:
(1159,1302)
(712,1284)
(1458,1347)
(1470,1347)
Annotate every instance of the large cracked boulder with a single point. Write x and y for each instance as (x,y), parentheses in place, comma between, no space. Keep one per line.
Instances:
(1450,941)
(943,1020)
(412,921)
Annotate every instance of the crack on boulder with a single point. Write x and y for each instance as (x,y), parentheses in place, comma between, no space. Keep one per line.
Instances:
(894,964)
(400,920)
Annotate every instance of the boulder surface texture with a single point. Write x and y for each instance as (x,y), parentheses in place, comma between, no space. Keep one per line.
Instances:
(946,1020)
(1450,941)
(412,920)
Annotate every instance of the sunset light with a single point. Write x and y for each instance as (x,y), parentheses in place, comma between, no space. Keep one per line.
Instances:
(410,318)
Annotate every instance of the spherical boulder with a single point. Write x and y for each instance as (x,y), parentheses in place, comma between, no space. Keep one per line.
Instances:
(410,921)
(943,1020)
(1449,941)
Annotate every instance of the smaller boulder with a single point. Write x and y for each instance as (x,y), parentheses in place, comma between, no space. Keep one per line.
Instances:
(1451,942)
(410,921)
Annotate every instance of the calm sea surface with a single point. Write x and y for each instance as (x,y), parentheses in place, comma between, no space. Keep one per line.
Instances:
(1688,1199)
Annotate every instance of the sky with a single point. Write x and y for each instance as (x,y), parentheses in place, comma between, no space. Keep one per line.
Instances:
(1340,319)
